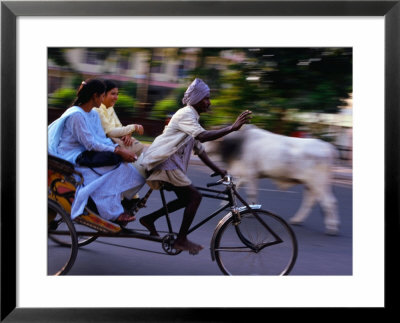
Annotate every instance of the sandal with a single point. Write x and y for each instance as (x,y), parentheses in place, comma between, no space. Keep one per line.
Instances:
(124,219)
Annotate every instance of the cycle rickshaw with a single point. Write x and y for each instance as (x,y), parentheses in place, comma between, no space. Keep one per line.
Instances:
(246,241)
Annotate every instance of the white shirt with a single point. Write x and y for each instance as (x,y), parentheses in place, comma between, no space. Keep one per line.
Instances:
(183,126)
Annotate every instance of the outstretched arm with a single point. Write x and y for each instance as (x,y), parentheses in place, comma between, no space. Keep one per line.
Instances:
(210,135)
(206,160)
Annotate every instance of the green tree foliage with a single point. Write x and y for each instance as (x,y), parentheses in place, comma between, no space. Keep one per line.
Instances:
(57,56)
(309,79)
(125,106)
(166,107)
(127,88)
(125,102)
(272,81)
(62,98)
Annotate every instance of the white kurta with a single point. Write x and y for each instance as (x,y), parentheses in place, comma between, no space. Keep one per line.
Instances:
(183,126)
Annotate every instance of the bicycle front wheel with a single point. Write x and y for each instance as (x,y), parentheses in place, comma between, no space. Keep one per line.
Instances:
(255,245)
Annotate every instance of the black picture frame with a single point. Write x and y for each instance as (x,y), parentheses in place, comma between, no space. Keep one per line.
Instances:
(11,10)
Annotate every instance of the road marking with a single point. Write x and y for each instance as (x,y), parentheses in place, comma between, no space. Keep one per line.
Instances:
(270,190)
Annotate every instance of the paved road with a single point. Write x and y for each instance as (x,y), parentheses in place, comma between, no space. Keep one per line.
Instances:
(319,254)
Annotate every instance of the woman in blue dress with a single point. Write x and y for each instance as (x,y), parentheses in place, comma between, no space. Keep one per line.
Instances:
(79,129)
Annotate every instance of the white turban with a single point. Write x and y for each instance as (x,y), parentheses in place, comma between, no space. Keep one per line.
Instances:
(196,91)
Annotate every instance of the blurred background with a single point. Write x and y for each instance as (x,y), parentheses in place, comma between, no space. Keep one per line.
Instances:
(301,92)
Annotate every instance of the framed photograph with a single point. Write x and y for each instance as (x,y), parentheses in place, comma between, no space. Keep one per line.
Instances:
(369,28)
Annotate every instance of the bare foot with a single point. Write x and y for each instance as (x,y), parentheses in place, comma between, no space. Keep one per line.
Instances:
(185,244)
(149,226)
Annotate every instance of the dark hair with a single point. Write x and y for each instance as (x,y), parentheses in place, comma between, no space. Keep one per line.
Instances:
(87,89)
(110,85)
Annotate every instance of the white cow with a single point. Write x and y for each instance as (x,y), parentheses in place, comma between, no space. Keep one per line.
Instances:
(253,153)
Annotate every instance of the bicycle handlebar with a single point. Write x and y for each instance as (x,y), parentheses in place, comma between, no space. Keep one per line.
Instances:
(227,179)
(213,184)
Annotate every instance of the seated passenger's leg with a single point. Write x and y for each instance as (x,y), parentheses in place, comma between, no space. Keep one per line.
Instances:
(110,208)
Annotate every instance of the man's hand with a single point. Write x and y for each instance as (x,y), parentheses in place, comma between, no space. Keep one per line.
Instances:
(243,118)
(222,172)
(207,161)
(216,134)
(126,155)
(127,140)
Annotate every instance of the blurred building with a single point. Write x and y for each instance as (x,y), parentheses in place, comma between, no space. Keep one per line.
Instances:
(162,67)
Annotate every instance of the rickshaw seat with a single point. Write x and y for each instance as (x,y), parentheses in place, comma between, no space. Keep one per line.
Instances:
(63,168)
(60,169)
(60,165)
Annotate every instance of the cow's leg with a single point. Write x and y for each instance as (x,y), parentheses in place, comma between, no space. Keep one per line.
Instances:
(251,185)
(251,188)
(239,182)
(329,205)
(309,198)
(249,178)
(244,175)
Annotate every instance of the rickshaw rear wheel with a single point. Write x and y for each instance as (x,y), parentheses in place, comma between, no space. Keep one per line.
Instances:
(61,260)
(82,240)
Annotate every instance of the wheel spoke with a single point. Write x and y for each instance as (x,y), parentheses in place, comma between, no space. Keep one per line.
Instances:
(234,249)
(251,247)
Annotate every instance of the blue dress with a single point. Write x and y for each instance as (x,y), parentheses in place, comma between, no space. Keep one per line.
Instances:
(76,131)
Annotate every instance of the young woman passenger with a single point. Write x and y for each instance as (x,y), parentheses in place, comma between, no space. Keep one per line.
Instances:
(119,134)
(122,135)
(80,129)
